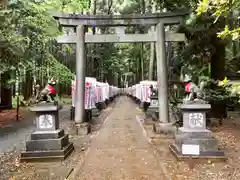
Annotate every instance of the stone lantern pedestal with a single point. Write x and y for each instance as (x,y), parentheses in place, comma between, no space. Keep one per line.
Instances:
(153,108)
(95,111)
(48,141)
(88,113)
(194,140)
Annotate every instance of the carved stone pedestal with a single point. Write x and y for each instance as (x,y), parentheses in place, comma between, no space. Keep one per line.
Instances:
(95,112)
(72,113)
(193,140)
(111,99)
(102,105)
(141,105)
(153,106)
(87,114)
(107,101)
(155,115)
(83,129)
(48,141)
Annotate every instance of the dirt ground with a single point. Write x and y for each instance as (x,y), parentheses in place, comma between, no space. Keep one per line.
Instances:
(120,151)
(228,136)
(12,169)
(9,116)
(123,147)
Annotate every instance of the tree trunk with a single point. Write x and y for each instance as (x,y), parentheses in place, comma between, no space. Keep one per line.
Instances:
(152,48)
(3,4)
(218,73)
(119,80)
(6,92)
(93,59)
(142,62)
(138,70)
(169,58)
(27,87)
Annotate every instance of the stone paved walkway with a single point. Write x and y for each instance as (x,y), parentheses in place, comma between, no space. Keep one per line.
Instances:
(121,151)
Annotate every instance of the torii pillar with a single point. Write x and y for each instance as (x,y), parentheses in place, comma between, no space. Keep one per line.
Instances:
(80,75)
(162,74)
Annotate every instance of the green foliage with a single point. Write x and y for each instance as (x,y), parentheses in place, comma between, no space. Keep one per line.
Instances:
(26,34)
(216,95)
(64,5)
(226,8)
(128,6)
(63,74)
(28,30)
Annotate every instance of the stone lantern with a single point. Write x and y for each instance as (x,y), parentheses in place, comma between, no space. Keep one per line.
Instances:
(48,141)
(194,139)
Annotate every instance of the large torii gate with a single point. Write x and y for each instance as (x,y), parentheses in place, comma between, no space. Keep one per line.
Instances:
(80,38)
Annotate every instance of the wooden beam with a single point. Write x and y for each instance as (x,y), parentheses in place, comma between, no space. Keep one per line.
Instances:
(114,38)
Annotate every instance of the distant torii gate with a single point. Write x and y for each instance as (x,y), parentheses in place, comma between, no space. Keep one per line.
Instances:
(158,20)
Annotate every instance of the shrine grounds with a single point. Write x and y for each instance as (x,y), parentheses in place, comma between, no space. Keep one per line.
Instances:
(121,146)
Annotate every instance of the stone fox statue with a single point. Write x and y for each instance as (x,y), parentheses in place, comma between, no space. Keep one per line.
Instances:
(192,91)
(48,94)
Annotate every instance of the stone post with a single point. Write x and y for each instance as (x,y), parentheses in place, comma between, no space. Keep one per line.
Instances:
(154,104)
(162,74)
(80,75)
(152,110)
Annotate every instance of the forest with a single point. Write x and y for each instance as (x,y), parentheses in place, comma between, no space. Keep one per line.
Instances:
(30,54)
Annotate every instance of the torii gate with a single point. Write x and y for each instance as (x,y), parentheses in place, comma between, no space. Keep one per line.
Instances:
(80,38)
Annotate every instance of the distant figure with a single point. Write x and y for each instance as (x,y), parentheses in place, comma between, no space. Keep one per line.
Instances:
(153,91)
(151,88)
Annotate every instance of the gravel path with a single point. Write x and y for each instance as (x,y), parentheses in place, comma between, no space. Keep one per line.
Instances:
(120,150)
(14,136)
